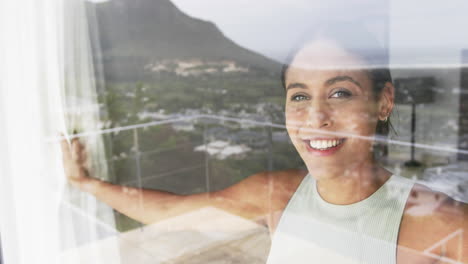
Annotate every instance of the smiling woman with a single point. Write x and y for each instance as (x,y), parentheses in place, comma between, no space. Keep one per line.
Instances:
(335,95)
(347,208)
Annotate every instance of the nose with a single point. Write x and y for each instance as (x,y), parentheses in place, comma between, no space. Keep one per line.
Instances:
(318,116)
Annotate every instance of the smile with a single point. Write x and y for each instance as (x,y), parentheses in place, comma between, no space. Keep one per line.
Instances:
(324,147)
(325,144)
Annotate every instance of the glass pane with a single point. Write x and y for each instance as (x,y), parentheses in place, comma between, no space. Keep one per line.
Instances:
(252,131)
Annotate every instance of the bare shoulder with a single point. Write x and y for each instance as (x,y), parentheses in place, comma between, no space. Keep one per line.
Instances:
(284,183)
(261,184)
(434,226)
(286,180)
(290,177)
(260,193)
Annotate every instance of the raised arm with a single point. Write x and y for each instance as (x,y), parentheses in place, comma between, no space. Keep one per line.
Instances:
(256,197)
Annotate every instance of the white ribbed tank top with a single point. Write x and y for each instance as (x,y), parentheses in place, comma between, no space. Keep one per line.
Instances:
(312,230)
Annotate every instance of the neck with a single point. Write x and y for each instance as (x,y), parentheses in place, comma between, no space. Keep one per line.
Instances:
(353,184)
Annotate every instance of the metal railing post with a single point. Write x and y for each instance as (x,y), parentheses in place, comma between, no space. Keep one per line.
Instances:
(270,148)
(137,155)
(207,159)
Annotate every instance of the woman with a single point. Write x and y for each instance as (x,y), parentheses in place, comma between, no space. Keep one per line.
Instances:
(348,209)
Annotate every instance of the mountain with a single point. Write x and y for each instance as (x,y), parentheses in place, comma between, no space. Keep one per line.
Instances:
(135,33)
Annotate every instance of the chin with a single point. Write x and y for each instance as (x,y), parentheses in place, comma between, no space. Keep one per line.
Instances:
(323,171)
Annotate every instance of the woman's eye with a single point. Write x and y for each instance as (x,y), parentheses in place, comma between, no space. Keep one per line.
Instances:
(341,94)
(299,97)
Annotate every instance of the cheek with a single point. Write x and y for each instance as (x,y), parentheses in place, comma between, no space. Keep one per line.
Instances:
(359,119)
(295,120)
(294,117)
(362,123)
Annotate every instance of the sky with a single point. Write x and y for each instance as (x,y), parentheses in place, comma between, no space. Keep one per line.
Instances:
(271,27)
(417,28)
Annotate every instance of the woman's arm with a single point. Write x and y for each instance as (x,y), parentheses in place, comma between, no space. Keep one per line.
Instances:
(434,226)
(258,196)
(144,205)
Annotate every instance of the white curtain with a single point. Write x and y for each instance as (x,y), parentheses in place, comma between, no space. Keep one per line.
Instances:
(82,116)
(47,86)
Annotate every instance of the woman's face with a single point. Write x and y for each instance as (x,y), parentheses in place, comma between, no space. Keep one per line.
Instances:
(331,111)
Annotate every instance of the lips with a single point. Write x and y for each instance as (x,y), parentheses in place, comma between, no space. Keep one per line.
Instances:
(324,146)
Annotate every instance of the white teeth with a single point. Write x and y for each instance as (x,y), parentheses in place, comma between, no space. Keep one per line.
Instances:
(324,144)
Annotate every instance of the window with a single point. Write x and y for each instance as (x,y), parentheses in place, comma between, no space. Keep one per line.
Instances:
(198,120)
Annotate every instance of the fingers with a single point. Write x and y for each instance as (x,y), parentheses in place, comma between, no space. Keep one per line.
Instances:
(74,160)
(74,151)
(78,151)
(65,148)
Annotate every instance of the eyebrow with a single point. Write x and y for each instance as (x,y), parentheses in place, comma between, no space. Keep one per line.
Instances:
(341,78)
(331,81)
(296,85)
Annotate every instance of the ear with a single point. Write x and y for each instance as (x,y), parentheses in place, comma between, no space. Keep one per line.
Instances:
(386,101)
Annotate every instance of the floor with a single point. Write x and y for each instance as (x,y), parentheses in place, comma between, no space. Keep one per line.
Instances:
(207,235)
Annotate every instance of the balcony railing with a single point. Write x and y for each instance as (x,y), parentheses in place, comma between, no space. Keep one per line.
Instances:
(211,169)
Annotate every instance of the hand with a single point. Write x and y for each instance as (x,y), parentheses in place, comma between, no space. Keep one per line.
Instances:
(74,161)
